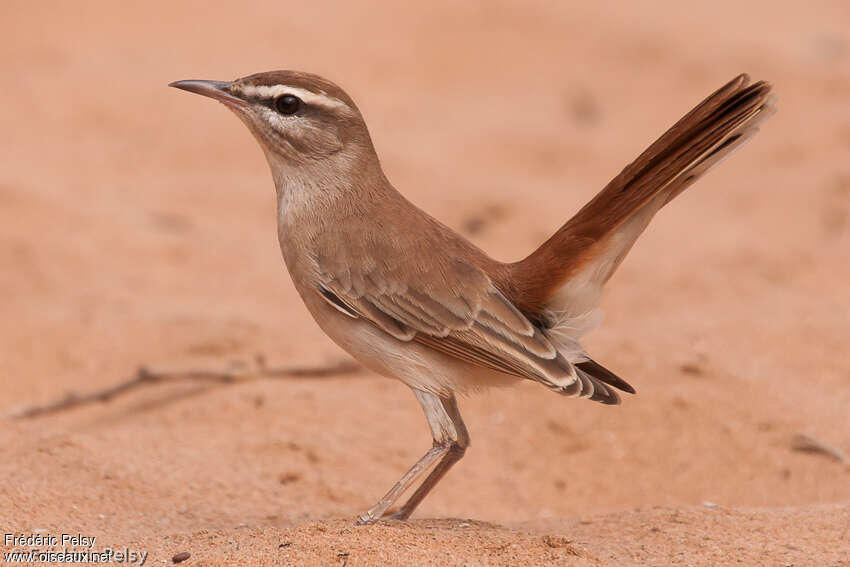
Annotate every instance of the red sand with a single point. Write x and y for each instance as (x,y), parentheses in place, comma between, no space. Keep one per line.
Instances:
(137,227)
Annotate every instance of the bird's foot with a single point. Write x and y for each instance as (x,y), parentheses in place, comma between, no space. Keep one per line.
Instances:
(365,520)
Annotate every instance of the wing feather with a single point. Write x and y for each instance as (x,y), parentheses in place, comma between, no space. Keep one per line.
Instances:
(474,323)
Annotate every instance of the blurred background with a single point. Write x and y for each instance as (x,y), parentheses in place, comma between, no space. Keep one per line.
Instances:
(137,226)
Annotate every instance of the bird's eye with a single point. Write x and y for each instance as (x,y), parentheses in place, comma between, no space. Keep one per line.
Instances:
(287,104)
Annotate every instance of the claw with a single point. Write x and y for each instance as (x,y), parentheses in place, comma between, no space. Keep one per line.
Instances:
(365,520)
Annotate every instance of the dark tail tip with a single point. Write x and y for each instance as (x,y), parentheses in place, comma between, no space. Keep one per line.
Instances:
(602,374)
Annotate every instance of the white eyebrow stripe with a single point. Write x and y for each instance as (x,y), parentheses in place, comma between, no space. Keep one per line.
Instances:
(273,91)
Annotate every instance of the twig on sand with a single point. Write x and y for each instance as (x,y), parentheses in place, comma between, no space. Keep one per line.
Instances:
(808,444)
(146,376)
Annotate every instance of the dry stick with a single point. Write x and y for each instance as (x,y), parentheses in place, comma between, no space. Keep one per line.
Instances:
(808,444)
(145,376)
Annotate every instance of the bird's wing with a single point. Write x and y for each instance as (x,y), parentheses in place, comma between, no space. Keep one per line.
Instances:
(452,307)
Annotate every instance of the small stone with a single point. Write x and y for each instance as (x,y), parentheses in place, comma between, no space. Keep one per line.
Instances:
(289,477)
(691,368)
(180,557)
(556,541)
(561,542)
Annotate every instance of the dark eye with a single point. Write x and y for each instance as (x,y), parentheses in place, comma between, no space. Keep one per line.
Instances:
(287,104)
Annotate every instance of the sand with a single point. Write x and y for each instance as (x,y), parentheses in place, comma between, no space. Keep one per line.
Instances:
(137,228)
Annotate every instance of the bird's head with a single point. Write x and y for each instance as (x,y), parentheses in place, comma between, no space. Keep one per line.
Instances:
(298,118)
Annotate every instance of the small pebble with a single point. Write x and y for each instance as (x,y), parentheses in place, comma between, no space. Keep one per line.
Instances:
(180,557)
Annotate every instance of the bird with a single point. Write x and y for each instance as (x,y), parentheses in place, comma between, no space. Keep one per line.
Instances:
(411,299)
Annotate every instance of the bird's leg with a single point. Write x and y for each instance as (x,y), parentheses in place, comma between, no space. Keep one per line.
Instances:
(442,416)
(456,449)
(375,512)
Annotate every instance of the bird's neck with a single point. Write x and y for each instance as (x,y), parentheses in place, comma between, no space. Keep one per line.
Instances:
(317,196)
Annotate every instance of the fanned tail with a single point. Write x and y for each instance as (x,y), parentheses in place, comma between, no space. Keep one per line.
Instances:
(560,283)
(566,273)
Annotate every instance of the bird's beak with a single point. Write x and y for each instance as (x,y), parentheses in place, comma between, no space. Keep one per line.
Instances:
(219,90)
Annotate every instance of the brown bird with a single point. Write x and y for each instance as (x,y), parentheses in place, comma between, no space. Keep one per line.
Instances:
(411,299)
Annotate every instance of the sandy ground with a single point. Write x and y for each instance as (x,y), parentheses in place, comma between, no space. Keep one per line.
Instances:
(137,227)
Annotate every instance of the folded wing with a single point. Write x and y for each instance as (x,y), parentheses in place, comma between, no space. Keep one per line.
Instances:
(460,314)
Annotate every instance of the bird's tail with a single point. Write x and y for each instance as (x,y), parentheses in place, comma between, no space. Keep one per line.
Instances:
(566,273)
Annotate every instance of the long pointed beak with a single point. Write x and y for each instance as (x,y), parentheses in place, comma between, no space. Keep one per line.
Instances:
(219,90)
